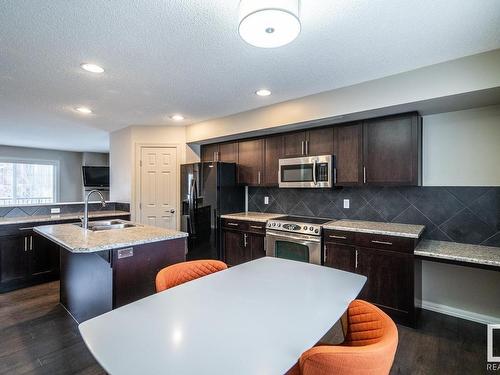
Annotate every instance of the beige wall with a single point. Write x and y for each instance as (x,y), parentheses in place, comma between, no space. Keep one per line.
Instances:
(462,148)
(465,75)
(466,292)
(123,148)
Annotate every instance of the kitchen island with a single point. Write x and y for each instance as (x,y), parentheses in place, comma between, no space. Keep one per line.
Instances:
(103,269)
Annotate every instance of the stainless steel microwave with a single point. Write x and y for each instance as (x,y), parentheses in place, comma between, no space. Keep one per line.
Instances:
(307,172)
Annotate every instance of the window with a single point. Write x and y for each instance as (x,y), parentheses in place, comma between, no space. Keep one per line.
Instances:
(28,182)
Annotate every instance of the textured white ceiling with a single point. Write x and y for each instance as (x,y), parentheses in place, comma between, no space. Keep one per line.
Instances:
(168,56)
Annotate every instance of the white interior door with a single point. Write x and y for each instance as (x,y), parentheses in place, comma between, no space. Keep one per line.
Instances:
(158,198)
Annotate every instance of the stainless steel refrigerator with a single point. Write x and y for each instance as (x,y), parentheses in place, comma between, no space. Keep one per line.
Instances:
(208,190)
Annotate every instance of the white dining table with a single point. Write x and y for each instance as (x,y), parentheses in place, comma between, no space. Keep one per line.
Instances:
(255,318)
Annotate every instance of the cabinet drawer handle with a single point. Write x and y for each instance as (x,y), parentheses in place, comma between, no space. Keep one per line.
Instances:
(26,228)
(356,261)
(233,224)
(31,243)
(382,242)
(25,243)
(255,227)
(338,237)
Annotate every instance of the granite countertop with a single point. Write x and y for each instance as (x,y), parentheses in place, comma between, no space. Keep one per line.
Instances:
(79,240)
(389,229)
(252,216)
(56,217)
(459,252)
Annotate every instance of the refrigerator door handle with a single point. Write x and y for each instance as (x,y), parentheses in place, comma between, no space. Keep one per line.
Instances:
(192,193)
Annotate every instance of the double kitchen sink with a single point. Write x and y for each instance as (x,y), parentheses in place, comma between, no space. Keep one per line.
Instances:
(96,226)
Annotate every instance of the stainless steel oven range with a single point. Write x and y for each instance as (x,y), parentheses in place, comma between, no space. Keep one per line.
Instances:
(295,238)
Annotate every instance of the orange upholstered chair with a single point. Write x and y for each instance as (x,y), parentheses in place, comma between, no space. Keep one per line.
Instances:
(369,347)
(181,273)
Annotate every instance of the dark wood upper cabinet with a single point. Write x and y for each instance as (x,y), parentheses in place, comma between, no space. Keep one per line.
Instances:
(308,143)
(392,150)
(320,142)
(209,152)
(273,151)
(251,162)
(294,144)
(228,152)
(348,146)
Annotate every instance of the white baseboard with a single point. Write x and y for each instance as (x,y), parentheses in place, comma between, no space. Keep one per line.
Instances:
(459,313)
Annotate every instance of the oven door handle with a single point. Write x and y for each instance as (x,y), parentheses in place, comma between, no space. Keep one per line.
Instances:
(292,237)
(315,179)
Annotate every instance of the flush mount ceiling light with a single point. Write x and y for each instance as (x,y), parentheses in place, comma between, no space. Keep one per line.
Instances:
(84,110)
(177,117)
(93,68)
(269,23)
(263,92)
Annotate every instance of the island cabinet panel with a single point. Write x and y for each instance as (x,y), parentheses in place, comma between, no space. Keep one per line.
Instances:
(251,162)
(228,152)
(348,146)
(135,268)
(392,150)
(387,262)
(97,282)
(209,152)
(320,142)
(273,151)
(44,260)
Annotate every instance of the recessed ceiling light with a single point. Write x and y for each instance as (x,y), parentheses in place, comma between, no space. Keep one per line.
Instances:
(84,110)
(263,92)
(177,117)
(93,68)
(270,23)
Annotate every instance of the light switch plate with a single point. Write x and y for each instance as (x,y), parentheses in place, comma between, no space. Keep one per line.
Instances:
(346,203)
(55,210)
(266,200)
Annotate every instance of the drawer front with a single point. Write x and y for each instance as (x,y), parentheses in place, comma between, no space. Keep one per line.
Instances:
(338,236)
(256,227)
(391,243)
(234,224)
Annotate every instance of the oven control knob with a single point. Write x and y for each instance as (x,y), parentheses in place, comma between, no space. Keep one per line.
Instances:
(316,231)
(311,228)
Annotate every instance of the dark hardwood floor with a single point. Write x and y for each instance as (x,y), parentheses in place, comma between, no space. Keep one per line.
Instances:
(37,336)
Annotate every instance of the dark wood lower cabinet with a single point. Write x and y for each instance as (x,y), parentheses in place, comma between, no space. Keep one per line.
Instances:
(242,241)
(389,281)
(13,262)
(393,275)
(340,256)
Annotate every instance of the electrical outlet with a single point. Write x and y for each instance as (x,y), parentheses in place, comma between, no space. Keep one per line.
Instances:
(266,200)
(56,210)
(346,203)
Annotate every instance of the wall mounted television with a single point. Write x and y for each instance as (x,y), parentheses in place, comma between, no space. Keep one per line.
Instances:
(95,176)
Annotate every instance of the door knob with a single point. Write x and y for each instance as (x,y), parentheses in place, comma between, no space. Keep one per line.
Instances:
(172,211)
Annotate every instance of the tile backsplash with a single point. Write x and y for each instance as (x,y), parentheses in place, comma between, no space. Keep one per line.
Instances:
(459,214)
(21,211)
